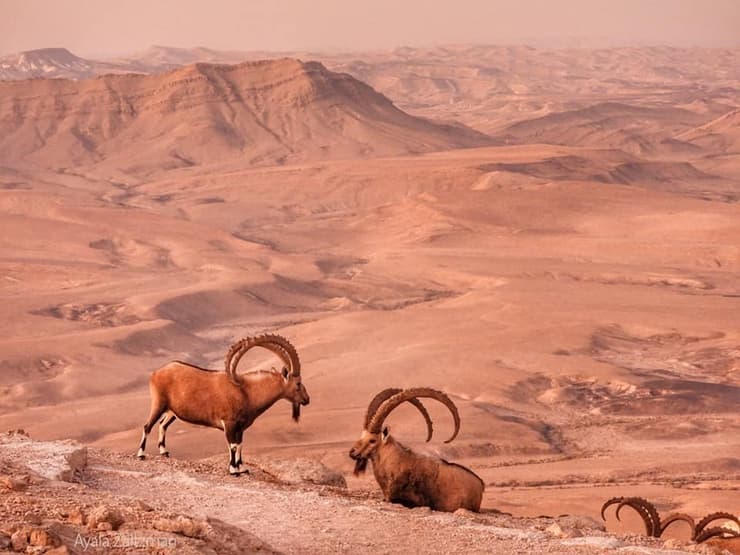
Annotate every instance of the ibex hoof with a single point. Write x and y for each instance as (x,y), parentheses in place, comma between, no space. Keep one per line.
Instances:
(165,454)
(237,470)
(140,455)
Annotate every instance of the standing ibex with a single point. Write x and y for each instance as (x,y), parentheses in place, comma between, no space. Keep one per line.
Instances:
(409,478)
(224,400)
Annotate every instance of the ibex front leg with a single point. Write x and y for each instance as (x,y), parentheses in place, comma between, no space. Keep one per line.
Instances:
(234,436)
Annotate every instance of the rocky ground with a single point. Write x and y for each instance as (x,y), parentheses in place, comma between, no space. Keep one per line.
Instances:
(59,497)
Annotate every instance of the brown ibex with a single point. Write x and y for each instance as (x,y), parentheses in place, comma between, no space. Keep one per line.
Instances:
(409,478)
(224,400)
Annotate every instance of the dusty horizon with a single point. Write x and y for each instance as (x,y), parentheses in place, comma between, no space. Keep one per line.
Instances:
(91,29)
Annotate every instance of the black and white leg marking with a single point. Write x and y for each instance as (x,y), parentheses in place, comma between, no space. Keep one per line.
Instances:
(140,454)
(164,423)
(158,409)
(234,469)
(239,456)
(234,439)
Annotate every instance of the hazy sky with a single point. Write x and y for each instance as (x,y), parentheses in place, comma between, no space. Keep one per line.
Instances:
(103,27)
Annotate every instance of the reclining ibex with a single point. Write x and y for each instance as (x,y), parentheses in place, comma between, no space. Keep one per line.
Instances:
(224,400)
(409,478)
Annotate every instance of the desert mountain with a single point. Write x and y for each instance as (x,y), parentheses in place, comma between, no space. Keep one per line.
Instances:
(49,62)
(263,112)
(641,94)
(61,63)
(490,87)
(637,129)
(158,58)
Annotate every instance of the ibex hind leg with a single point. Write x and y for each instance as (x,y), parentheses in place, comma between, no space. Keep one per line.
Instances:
(158,409)
(164,423)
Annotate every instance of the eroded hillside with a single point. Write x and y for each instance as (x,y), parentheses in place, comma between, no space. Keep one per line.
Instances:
(256,113)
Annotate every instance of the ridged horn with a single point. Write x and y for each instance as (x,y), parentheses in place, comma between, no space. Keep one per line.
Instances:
(716,532)
(711,517)
(390,392)
(646,510)
(675,517)
(295,362)
(274,343)
(392,402)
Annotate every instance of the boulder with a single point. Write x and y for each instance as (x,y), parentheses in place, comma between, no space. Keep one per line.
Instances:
(182,525)
(104,518)
(42,538)
(302,470)
(76,515)
(14,484)
(53,460)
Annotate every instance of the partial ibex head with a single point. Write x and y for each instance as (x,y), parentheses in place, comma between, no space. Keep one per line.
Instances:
(376,433)
(293,390)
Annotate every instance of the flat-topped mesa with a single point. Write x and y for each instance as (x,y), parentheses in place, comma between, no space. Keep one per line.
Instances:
(262,112)
(44,62)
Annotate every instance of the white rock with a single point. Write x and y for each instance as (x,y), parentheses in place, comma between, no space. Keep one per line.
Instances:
(53,460)
(303,470)
(604,542)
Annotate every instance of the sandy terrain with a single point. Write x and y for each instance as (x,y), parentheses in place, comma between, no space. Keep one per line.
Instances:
(572,281)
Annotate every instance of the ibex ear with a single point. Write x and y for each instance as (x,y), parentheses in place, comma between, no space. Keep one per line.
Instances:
(385,433)
(285,373)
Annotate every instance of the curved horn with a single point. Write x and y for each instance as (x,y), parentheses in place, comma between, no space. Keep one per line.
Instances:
(287,346)
(712,517)
(391,403)
(390,392)
(675,517)
(716,531)
(646,510)
(282,354)
(275,343)
(608,503)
